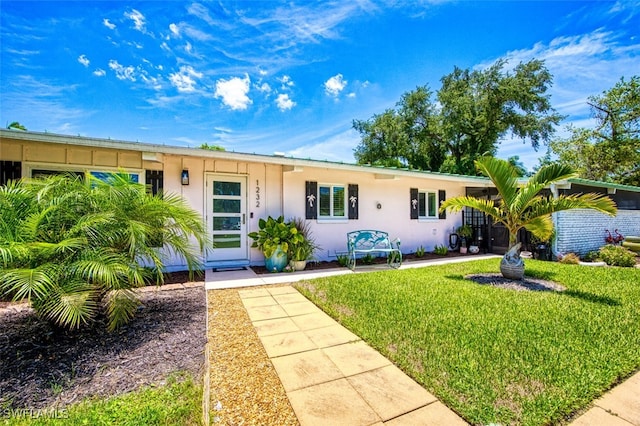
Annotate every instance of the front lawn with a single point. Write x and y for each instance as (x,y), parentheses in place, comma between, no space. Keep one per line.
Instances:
(491,354)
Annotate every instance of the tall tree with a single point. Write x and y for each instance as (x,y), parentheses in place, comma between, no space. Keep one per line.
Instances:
(465,120)
(611,150)
(16,126)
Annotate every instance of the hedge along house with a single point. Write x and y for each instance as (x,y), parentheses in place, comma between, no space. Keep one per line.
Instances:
(233,191)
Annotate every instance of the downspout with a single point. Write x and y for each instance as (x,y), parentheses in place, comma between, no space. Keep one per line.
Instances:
(554,218)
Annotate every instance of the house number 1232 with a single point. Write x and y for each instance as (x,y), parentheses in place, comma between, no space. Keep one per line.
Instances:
(257,193)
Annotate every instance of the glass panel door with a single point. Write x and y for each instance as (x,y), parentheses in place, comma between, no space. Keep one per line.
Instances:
(226,217)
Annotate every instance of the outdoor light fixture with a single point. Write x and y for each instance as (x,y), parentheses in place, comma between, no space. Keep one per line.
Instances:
(185,177)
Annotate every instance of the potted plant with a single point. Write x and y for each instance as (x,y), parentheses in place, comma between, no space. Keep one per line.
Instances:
(304,248)
(273,239)
(464,232)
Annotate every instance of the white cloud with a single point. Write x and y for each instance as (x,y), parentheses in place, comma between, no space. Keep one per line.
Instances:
(188,48)
(99,72)
(184,80)
(234,92)
(138,19)
(337,147)
(286,81)
(108,24)
(351,95)
(175,30)
(165,46)
(195,33)
(153,82)
(84,60)
(284,102)
(201,12)
(335,85)
(122,72)
(264,88)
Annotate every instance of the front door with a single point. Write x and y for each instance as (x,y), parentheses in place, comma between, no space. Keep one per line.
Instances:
(226,217)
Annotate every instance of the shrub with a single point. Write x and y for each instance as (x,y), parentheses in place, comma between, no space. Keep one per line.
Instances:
(343,259)
(76,246)
(617,256)
(420,251)
(440,250)
(367,259)
(592,256)
(570,259)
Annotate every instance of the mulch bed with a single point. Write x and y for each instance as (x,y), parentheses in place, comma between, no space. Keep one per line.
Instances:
(45,367)
(526,284)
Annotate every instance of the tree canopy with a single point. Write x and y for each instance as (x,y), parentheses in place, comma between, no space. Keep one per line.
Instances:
(610,151)
(448,130)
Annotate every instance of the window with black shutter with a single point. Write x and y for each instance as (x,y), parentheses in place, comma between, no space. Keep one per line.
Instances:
(442,196)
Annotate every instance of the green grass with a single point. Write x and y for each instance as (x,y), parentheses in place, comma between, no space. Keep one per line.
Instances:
(179,402)
(496,355)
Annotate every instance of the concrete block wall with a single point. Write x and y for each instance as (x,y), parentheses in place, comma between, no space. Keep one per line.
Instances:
(581,231)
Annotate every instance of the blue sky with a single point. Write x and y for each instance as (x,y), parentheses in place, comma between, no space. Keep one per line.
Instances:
(267,76)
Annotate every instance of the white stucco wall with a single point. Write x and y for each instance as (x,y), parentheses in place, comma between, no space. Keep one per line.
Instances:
(393,217)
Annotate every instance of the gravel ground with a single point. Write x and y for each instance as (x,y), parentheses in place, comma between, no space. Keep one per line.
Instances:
(245,389)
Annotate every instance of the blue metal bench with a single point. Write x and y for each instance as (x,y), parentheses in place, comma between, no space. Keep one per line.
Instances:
(370,241)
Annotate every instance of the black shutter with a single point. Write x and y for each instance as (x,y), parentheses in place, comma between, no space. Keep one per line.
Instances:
(311,200)
(154,181)
(413,202)
(10,170)
(442,195)
(353,201)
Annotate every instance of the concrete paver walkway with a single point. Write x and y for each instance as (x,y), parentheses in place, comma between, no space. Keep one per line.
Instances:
(332,377)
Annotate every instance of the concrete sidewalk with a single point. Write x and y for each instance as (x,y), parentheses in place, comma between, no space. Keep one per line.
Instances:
(331,376)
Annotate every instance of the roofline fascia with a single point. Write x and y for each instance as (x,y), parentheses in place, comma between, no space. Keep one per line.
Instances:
(231,155)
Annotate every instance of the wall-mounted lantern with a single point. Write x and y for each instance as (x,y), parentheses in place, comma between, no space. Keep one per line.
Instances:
(185,177)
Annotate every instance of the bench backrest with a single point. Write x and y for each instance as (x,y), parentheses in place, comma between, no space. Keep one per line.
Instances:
(368,240)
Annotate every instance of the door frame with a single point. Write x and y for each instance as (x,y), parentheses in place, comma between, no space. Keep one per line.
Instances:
(241,257)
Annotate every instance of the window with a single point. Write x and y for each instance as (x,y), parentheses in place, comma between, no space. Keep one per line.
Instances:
(427,205)
(332,201)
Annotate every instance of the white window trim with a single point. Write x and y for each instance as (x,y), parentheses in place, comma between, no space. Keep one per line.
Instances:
(331,218)
(427,192)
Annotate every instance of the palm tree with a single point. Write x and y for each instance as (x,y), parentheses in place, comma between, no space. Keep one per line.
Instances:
(76,247)
(522,206)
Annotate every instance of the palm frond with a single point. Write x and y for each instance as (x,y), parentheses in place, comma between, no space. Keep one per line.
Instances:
(28,283)
(540,226)
(502,174)
(71,306)
(552,173)
(120,306)
(486,206)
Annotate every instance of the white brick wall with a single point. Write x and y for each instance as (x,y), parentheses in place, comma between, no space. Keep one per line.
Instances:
(581,231)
